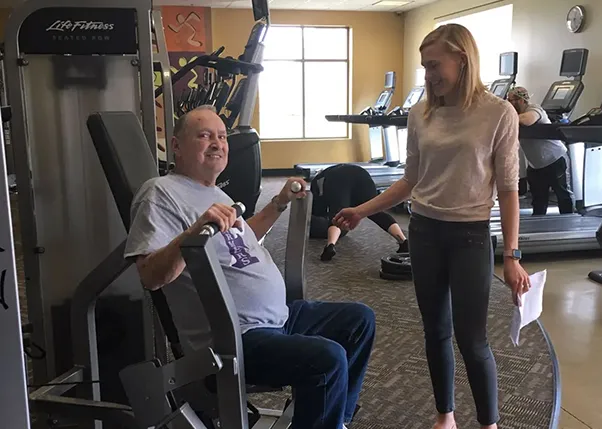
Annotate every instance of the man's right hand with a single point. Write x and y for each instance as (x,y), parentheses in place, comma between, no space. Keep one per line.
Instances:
(222,215)
(347,219)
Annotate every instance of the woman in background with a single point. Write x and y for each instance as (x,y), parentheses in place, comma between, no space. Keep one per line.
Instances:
(340,186)
(462,146)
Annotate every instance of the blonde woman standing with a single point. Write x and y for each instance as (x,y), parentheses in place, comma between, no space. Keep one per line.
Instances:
(462,149)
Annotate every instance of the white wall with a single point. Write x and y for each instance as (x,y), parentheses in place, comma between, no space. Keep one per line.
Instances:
(539,35)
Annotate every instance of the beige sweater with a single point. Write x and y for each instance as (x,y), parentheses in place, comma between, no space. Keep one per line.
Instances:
(457,159)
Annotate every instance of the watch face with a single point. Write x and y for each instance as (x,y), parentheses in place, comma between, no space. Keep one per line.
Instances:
(575,18)
(516,254)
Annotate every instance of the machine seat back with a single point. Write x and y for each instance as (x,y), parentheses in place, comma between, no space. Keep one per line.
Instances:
(127,163)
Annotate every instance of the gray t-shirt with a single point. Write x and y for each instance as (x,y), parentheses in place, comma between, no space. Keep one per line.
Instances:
(166,206)
(542,152)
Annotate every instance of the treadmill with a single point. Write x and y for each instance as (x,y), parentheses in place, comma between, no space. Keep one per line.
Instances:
(395,123)
(385,168)
(509,70)
(577,231)
(556,110)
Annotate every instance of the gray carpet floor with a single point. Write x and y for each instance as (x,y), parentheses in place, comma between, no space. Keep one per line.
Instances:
(397,390)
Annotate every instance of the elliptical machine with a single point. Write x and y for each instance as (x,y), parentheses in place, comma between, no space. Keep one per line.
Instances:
(241,179)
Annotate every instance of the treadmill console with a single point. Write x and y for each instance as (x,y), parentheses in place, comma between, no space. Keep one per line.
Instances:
(574,63)
(509,69)
(562,97)
(384,99)
(413,97)
(593,117)
(260,10)
(501,87)
(390,81)
(563,94)
(509,64)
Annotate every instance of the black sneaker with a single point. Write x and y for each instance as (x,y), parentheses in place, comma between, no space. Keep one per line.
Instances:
(328,253)
(404,247)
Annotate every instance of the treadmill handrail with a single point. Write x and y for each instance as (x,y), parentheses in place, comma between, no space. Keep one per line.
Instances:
(581,133)
(567,133)
(380,120)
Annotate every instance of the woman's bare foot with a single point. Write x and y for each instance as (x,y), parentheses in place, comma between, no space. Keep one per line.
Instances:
(494,426)
(445,421)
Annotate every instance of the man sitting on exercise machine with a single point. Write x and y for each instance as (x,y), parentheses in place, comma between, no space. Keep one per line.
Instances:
(547,163)
(336,188)
(321,349)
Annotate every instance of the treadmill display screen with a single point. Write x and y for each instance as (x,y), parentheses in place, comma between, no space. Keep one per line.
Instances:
(382,99)
(562,92)
(507,64)
(573,62)
(499,90)
(390,80)
(413,98)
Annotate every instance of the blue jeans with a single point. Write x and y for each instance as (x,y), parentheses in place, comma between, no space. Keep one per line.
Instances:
(452,265)
(322,353)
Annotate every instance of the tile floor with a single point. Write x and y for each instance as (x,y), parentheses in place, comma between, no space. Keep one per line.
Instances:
(573,318)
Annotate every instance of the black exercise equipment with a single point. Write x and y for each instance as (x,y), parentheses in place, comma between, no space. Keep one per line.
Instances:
(242,177)
(388,168)
(577,231)
(397,266)
(161,392)
(508,69)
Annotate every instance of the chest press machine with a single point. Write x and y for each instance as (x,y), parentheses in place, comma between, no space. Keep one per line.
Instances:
(219,392)
(56,79)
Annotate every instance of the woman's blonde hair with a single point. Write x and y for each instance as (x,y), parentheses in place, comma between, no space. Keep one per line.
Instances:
(457,39)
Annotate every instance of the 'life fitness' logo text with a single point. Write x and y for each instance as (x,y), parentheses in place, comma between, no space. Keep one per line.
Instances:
(70,26)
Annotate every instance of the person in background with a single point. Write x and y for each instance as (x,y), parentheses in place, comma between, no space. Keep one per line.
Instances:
(340,186)
(547,158)
(462,148)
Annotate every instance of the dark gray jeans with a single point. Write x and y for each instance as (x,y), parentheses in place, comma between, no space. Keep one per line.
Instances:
(452,263)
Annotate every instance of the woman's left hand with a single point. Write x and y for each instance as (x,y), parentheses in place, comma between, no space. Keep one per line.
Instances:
(517,278)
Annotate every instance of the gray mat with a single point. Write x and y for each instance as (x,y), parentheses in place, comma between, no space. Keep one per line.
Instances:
(397,390)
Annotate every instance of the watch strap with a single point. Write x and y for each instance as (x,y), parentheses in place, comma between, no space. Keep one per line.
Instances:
(279,207)
(512,254)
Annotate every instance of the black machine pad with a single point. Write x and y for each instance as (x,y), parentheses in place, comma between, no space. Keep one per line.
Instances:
(124,154)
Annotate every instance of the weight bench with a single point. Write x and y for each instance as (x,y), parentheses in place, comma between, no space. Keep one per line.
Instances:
(211,380)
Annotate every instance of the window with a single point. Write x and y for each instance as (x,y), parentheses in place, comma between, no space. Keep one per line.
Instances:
(420,77)
(492,30)
(305,78)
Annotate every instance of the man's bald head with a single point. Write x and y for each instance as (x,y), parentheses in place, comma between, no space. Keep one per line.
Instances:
(181,123)
(200,145)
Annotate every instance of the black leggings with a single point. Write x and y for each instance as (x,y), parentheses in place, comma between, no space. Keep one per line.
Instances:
(542,179)
(318,227)
(353,188)
(452,265)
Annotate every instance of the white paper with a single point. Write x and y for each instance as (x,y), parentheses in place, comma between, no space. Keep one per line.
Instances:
(531,306)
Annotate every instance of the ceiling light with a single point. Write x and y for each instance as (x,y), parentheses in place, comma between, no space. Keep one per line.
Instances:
(391,3)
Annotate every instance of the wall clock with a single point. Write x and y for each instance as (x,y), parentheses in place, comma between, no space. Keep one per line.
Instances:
(575,19)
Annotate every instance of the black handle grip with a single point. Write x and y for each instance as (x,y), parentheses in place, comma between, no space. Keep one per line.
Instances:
(212,228)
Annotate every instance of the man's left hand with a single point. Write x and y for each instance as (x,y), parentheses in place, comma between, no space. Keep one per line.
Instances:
(287,195)
(517,278)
